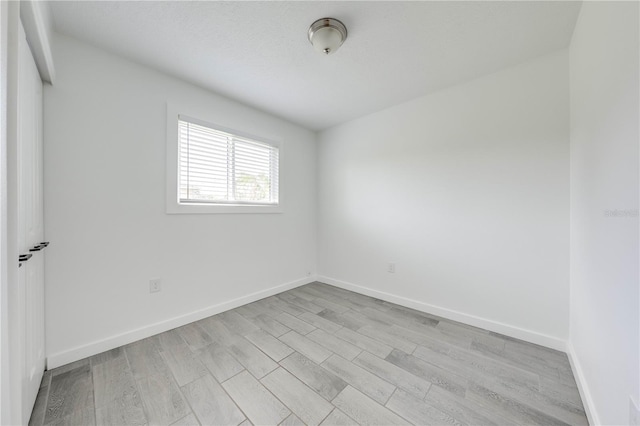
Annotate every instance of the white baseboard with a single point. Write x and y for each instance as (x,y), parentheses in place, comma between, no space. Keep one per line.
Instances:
(487,324)
(98,346)
(583,388)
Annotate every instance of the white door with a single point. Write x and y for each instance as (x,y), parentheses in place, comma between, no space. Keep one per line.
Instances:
(30,225)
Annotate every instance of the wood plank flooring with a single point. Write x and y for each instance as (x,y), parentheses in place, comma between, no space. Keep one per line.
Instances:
(316,355)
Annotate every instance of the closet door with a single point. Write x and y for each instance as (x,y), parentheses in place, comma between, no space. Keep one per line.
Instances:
(30,225)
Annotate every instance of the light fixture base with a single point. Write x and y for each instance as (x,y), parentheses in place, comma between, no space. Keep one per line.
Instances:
(327,35)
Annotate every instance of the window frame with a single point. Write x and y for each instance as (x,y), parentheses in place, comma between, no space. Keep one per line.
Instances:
(173,204)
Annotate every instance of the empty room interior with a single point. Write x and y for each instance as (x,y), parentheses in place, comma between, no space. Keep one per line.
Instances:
(319,212)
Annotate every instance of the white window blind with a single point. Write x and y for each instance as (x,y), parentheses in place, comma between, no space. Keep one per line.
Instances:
(219,167)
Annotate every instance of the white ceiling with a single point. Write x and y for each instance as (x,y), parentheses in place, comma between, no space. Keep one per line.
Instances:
(258,52)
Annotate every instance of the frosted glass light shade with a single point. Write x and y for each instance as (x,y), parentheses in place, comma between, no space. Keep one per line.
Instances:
(327,35)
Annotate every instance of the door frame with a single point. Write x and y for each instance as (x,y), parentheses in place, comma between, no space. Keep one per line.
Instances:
(10,389)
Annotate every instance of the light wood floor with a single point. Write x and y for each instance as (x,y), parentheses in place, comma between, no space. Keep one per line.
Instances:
(316,355)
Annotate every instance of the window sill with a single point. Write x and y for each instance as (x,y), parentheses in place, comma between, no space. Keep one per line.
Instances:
(177,208)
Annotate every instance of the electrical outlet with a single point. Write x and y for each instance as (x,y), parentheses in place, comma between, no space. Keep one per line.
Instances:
(154,285)
(634,413)
(391,268)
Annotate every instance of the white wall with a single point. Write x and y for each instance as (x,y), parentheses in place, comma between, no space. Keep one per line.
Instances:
(467,191)
(105,208)
(604,177)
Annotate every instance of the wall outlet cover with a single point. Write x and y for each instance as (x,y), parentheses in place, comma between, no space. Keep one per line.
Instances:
(155,285)
(391,268)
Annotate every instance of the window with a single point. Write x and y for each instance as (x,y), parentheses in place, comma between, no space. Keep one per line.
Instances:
(212,169)
(222,168)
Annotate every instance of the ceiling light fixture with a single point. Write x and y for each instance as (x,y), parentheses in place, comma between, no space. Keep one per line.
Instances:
(327,35)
